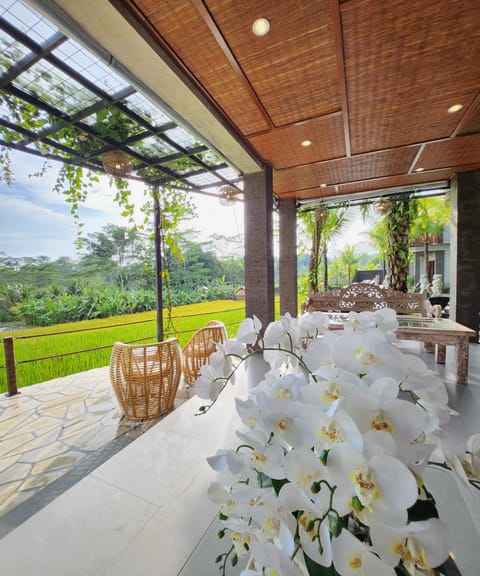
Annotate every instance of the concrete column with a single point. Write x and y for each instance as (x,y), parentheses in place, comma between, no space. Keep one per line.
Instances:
(259,275)
(465,249)
(288,257)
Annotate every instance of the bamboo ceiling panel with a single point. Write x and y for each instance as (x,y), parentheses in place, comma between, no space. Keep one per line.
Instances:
(457,152)
(368,82)
(363,167)
(293,69)
(403,65)
(283,147)
(471,121)
(182,27)
(394,182)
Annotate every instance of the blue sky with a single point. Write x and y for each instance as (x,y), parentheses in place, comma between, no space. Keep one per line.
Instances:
(36,221)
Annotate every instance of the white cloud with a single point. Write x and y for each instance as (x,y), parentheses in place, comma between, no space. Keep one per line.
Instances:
(35,220)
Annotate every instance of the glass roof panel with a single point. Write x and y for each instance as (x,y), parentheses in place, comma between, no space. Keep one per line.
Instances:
(204,179)
(153,148)
(209,158)
(73,106)
(83,62)
(54,87)
(227,173)
(139,104)
(11,51)
(25,19)
(182,138)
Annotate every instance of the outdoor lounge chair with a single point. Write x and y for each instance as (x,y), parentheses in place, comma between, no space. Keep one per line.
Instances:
(197,350)
(145,377)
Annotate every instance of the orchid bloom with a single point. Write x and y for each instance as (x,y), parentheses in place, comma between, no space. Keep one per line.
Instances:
(381,488)
(354,558)
(313,524)
(419,545)
(373,355)
(248,330)
(472,460)
(379,409)
(271,561)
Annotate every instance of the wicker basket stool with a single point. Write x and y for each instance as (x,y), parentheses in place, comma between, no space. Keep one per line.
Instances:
(145,378)
(197,350)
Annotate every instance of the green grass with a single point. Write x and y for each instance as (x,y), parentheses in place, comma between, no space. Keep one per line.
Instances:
(32,349)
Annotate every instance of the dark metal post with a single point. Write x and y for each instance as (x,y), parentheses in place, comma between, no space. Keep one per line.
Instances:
(158,262)
(10,366)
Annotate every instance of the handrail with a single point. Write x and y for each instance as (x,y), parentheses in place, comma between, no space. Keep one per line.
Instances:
(11,363)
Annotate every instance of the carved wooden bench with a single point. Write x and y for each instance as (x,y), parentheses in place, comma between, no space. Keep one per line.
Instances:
(364,296)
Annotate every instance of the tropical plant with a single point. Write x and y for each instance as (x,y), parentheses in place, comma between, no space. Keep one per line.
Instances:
(397,216)
(322,225)
(431,216)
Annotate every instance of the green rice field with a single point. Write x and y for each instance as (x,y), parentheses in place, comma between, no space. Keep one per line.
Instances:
(42,354)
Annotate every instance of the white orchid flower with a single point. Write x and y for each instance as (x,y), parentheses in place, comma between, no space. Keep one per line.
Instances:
(303,469)
(287,387)
(318,353)
(417,375)
(415,456)
(269,521)
(373,356)
(314,535)
(248,411)
(378,489)
(331,427)
(263,457)
(313,324)
(210,383)
(472,459)
(419,545)
(271,561)
(380,410)
(230,460)
(284,332)
(351,557)
(284,419)
(248,330)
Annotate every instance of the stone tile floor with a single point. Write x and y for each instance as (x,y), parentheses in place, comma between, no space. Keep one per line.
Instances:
(53,433)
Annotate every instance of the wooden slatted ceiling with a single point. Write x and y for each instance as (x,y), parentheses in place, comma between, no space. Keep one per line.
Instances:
(188,36)
(458,152)
(403,62)
(405,66)
(293,70)
(366,166)
(382,184)
(283,148)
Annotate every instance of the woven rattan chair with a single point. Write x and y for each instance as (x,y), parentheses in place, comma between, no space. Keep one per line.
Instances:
(145,378)
(197,350)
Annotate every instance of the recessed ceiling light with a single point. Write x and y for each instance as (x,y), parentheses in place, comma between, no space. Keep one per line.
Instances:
(419,169)
(323,185)
(306,143)
(261,26)
(455,108)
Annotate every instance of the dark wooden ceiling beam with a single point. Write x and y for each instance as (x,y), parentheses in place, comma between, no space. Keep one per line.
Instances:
(342,82)
(225,48)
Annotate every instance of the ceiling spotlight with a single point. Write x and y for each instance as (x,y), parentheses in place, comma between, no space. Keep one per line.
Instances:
(306,143)
(455,108)
(261,26)
(419,169)
(323,185)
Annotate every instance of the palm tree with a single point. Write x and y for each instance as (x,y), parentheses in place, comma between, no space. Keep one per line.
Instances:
(349,259)
(323,226)
(431,215)
(398,217)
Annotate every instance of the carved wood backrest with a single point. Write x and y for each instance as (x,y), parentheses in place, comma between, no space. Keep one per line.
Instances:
(363,296)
